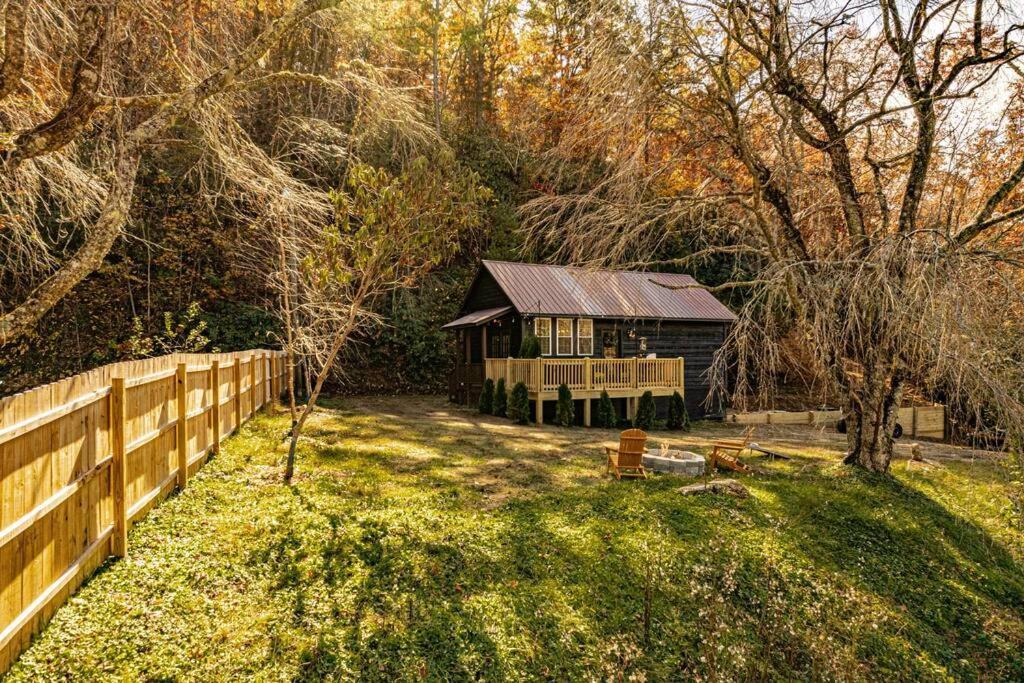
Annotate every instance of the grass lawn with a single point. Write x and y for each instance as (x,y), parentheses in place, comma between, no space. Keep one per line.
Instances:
(425,542)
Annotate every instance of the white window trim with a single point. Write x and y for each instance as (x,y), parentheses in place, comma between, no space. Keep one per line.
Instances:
(579,336)
(540,337)
(559,337)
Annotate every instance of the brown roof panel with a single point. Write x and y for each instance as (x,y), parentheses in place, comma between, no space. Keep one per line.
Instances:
(541,289)
(477,317)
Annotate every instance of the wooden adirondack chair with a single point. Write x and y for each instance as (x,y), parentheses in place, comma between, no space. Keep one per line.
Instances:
(726,453)
(628,459)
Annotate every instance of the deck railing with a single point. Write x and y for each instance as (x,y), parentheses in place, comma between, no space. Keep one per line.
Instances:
(584,374)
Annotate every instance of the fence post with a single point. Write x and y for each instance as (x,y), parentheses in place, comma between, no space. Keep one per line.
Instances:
(636,373)
(264,385)
(275,395)
(238,393)
(587,383)
(682,372)
(181,384)
(252,384)
(280,375)
(119,540)
(215,383)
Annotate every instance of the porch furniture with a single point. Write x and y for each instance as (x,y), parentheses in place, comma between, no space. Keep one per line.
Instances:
(726,453)
(772,455)
(627,459)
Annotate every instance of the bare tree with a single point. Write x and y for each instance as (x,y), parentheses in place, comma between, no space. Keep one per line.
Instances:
(818,141)
(71,146)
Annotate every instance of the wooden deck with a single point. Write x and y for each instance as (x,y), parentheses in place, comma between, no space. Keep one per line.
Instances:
(625,378)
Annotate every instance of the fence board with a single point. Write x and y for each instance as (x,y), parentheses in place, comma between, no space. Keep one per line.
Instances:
(58,467)
(927,422)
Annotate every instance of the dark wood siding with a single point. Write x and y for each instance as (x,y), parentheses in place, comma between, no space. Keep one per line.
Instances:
(696,342)
(484,293)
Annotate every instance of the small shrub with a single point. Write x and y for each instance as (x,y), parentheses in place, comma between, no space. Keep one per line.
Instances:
(606,412)
(181,333)
(519,405)
(566,414)
(530,348)
(678,418)
(500,398)
(645,412)
(487,397)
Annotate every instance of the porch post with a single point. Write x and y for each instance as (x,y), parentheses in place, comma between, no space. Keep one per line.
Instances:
(588,385)
(540,410)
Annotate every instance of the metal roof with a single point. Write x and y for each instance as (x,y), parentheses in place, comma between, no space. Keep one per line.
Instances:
(477,317)
(540,289)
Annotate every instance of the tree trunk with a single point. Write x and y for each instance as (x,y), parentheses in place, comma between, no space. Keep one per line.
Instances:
(339,340)
(89,257)
(871,420)
(288,322)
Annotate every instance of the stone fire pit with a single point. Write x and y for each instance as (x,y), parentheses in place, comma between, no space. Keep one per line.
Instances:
(686,463)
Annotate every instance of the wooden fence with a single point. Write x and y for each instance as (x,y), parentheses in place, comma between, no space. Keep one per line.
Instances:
(82,459)
(926,422)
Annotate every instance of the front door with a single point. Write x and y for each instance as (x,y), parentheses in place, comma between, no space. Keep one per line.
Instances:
(611,342)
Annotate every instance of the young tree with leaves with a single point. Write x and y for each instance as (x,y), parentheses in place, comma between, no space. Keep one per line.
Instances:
(388,232)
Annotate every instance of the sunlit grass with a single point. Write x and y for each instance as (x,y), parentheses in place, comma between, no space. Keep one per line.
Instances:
(421,541)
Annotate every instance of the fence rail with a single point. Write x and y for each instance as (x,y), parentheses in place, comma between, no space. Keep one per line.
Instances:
(84,458)
(926,422)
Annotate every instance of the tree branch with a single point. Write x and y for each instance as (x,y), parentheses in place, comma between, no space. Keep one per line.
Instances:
(984,219)
(101,238)
(65,126)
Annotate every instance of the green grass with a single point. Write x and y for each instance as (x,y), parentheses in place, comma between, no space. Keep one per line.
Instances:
(424,542)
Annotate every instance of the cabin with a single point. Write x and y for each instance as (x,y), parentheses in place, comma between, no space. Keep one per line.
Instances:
(624,332)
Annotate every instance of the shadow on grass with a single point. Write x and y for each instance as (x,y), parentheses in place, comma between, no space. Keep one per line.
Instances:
(543,583)
(945,573)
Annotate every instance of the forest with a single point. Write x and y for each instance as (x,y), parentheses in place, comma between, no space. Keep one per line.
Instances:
(181,277)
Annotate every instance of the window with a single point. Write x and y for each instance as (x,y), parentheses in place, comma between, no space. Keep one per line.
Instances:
(542,328)
(565,336)
(585,338)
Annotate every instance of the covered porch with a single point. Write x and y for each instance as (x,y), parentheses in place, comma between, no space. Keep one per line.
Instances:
(626,378)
